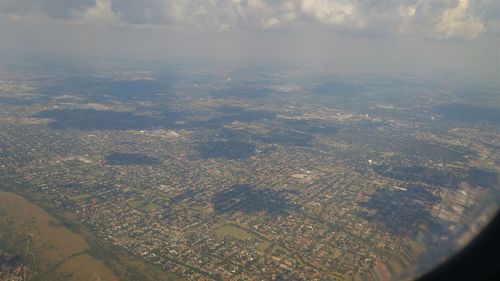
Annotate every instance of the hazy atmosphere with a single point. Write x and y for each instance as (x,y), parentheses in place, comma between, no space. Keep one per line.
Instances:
(446,36)
(247,139)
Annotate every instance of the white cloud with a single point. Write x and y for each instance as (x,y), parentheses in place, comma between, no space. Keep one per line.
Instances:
(330,12)
(270,23)
(457,22)
(407,11)
(101,13)
(443,19)
(257,4)
(406,14)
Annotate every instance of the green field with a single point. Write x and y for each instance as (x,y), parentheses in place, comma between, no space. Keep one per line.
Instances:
(354,188)
(235,232)
(263,246)
(143,206)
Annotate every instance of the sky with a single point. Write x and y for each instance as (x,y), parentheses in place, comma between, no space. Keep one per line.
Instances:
(448,36)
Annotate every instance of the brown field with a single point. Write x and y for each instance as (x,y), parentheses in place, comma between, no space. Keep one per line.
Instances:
(72,268)
(57,250)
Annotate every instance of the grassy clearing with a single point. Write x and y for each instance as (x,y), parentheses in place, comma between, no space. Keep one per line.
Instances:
(235,232)
(263,246)
(354,188)
(143,206)
(81,197)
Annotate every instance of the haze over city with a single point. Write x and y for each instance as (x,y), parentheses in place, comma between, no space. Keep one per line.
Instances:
(361,36)
(245,139)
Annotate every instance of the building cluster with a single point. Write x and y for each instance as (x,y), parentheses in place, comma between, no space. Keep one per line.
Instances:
(308,213)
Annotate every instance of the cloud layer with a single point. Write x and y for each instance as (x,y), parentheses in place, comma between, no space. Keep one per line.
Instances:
(424,37)
(436,19)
